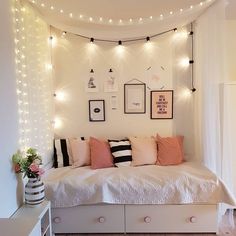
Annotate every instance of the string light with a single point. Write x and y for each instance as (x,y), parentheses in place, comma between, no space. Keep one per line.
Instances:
(64,33)
(126,40)
(205,3)
(29,92)
(193,89)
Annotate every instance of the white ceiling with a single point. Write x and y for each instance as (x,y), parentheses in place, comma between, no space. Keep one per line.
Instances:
(84,16)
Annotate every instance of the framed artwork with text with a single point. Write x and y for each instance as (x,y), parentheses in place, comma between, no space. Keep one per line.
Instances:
(161,104)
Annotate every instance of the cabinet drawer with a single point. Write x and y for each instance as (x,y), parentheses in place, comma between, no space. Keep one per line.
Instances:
(88,219)
(171,218)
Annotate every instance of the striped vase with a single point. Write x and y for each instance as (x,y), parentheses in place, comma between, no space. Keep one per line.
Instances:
(34,191)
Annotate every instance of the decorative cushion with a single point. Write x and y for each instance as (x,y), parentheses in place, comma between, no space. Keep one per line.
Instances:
(170,150)
(80,152)
(100,154)
(121,152)
(62,153)
(144,151)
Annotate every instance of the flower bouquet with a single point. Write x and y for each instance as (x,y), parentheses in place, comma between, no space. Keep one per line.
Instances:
(28,163)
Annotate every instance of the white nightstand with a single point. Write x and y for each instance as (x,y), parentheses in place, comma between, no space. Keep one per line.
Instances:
(41,214)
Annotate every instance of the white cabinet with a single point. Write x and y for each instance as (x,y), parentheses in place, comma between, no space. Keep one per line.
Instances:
(19,227)
(171,218)
(92,219)
(135,219)
(38,217)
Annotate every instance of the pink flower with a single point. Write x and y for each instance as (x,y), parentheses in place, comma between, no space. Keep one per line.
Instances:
(34,168)
(40,172)
(17,168)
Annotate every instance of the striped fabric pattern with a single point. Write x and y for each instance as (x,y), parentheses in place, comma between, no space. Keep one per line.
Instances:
(34,191)
(121,152)
(62,153)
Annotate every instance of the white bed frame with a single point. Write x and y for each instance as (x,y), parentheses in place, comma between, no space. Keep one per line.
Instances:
(111,218)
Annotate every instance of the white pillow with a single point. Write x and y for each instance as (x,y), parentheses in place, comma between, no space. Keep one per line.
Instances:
(80,152)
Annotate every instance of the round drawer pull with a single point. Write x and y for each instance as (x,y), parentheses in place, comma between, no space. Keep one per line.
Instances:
(101,219)
(57,220)
(147,219)
(193,219)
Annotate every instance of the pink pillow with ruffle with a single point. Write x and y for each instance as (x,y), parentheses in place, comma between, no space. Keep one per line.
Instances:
(170,150)
(100,154)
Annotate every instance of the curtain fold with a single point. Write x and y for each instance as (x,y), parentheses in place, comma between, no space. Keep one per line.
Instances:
(209,57)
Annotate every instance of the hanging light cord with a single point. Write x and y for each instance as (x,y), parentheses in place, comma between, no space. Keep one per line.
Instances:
(127,40)
(192,59)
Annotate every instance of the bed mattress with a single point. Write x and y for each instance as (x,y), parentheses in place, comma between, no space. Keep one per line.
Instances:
(187,183)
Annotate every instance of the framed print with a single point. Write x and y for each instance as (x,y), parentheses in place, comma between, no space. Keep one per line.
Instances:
(114,102)
(111,84)
(162,104)
(96,110)
(91,84)
(134,98)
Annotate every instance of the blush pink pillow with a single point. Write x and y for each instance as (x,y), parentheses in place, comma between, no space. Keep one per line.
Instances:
(80,152)
(100,153)
(144,151)
(170,150)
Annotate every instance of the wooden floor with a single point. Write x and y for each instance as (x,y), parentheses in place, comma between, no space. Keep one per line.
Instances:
(225,230)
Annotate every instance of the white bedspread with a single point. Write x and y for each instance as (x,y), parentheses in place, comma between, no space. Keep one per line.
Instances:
(183,184)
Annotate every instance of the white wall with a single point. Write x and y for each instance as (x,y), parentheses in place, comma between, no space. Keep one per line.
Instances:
(73,57)
(230,49)
(9,113)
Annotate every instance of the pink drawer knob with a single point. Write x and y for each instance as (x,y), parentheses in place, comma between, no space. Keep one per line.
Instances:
(101,219)
(57,220)
(193,219)
(147,219)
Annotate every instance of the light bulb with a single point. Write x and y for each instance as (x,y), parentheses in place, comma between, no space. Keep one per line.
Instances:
(184,62)
(60,96)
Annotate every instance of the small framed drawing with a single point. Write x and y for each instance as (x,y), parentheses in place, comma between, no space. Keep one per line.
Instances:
(162,104)
(134,98)
(96,110)
(91,84)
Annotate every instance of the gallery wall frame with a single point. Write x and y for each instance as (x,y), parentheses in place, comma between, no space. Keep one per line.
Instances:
(96,110)
(161,102)
(135,98)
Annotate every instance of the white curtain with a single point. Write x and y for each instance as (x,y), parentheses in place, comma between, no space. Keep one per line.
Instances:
(209,64)
(34,80)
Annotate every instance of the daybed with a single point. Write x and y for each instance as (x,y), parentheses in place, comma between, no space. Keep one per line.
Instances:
(152,198)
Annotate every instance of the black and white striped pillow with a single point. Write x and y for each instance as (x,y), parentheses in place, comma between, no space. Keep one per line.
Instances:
(121,152)
(62,153)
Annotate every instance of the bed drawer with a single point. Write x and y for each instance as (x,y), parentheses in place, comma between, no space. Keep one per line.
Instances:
(89,219)
(171,218)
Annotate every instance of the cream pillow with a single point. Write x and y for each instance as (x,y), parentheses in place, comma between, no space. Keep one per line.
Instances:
(80,152)
(144,151)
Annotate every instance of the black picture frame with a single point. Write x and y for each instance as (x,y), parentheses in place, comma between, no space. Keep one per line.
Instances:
(96,110)
(134,98)
(161,104)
